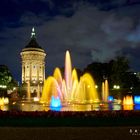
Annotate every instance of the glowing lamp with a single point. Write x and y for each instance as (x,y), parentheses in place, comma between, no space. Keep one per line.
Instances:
(36,99)
(96,86)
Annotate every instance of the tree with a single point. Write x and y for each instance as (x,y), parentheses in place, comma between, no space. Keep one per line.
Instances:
(130,80)
(118,68)
(6,78)
(117,72)
(99,71)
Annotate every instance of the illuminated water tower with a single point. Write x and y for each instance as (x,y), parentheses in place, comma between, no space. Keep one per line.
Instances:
(33,67)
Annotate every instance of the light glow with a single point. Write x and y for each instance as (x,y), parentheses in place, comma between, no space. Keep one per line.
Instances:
(128,100)
(55,102)
(36,99)
(69,89)
(105,91)
(4,101)
(137,99)
(3,86)
(110,98)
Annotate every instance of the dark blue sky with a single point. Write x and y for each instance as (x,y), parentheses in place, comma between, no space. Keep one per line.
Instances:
(93,30)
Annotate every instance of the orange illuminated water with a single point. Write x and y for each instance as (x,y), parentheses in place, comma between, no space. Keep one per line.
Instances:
(68,88)
(128,103)
(128,100)
(105,91)
(4,100)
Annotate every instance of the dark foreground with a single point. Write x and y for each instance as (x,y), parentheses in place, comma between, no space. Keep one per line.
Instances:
(69,118)
(70,133)
(51,125)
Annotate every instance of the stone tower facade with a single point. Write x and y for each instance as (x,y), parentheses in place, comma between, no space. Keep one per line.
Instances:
(33,67)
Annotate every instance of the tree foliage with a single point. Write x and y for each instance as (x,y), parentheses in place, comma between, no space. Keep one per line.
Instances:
(119,69)
(6,77)
(117,72)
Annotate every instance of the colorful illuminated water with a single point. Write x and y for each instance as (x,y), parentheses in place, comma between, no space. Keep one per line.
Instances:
(55,102)
(110,98)
(105,91)
(137,99)
(66,92)
(69,88)
(128,100)
(4,101)
(128,103)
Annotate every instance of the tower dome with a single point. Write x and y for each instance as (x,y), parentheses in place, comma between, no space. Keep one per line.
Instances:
(33,44)
(33,67)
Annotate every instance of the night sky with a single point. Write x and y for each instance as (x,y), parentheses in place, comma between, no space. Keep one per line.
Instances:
(93,30)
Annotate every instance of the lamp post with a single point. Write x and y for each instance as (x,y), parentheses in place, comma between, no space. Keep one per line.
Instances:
(116,87)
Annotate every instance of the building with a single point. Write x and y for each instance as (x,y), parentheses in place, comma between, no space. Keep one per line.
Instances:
(33,67)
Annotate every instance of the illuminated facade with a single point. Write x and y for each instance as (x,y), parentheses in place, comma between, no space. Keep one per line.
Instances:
(33,67)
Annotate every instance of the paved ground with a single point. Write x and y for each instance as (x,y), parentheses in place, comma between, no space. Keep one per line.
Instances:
(70,133)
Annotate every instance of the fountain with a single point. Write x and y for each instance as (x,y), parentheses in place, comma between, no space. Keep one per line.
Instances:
(137,100)
(128,100)
(69,89)
(55,102)
(67,92)
(128,103)
(4,101)
(110,98)
(105,91)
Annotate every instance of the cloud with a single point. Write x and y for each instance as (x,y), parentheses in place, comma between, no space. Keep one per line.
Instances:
(134,36)
(117,28)
(90,34)
(97,35)
(30,18)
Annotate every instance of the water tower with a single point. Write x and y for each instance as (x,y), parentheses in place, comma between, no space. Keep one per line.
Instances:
(33,67)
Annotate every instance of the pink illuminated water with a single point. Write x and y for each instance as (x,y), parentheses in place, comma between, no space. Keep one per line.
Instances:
(68,88)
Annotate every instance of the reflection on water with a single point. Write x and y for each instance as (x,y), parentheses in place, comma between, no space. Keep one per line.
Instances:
(137,107)
(56,108)
(128,107)
(34,106)
(4,107)
(117,107)
(31,107)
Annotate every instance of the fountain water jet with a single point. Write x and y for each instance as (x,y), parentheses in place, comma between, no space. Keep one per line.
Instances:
(55,102)
(105,91)
(69,89)
(128,100)
(128,103)
(4,101)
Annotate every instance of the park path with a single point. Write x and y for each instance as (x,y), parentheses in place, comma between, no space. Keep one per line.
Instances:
(69,133)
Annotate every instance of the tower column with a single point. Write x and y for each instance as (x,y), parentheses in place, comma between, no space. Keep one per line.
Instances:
(38,91)
(24,72)
(28,91)
(30,72)
(38,73)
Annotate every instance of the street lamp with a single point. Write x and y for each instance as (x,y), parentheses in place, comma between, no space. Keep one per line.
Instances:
(116,87)
(3,86)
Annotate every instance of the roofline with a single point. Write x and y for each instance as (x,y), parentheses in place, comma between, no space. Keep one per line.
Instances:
(33,49)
